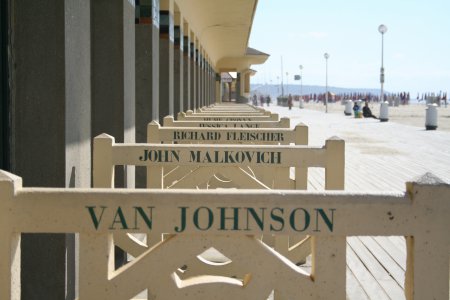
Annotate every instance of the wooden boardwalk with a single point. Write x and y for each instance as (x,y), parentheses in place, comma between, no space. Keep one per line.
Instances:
(379,157)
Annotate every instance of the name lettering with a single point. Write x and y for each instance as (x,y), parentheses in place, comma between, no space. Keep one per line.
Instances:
(119,220)
(228,136)
(221,219)
(213,157)
(258,157)
(235,125)
(196,136)
(160,156)
(247,218)
(228,119)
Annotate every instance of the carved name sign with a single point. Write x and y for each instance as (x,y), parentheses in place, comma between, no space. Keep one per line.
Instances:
(205,155)
(267,123)
(211,156)
(250,136)
(226,119)
(204,218)
(232,125)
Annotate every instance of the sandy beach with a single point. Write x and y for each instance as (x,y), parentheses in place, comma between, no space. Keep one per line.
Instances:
(412,114)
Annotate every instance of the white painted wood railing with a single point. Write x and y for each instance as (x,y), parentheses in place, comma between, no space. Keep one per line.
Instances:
(230,107)
(210,135)
(237,112)
(282,123)
(422,214)
(331,157)
(201,135)
(229,116)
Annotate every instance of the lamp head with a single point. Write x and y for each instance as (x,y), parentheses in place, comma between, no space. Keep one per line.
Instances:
(382,29)
(326,55)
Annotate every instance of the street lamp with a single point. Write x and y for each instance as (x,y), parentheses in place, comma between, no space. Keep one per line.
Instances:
(383,107)
(326,55)
(301,84)
(287,83)
(278,86)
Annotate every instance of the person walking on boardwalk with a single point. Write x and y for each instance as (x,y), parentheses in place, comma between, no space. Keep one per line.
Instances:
(290,101)
(367,113)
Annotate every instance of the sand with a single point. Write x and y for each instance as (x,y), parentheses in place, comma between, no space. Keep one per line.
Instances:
(412,114)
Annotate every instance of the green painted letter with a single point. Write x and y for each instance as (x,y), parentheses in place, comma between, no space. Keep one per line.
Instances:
(305,222)
(94,218)
(277,218)
(119,218)
(328,222)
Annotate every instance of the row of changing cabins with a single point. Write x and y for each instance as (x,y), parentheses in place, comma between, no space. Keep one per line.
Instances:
(227,214)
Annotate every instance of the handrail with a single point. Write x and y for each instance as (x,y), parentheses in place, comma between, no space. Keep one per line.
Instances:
(107,154)
(421,214)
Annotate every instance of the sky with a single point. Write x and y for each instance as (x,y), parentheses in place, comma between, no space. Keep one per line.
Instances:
(299,32)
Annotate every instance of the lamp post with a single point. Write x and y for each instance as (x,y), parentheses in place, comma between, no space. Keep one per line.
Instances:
(278,86)
(282,90)
(326,55)
(287,83)
(270,87)
(301,84)
(384,113)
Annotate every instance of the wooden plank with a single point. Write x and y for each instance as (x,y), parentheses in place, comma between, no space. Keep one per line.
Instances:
(395,252)
(399,242)
(316,179)
(365,278)
(386,261)
(353,289)
(388,284)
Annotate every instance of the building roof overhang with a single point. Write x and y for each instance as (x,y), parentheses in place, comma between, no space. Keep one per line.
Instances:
(223,30)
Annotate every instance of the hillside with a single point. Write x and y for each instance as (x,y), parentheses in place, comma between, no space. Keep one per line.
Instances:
(275,90)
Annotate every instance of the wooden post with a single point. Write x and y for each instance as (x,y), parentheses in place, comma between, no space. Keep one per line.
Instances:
(329,267)
(335,164)
(103,167)
(96,264)
(427,263)
(427,274)
(168,121)
(10,242)
(155,173)
(285,123)
(301,174)
(10,265)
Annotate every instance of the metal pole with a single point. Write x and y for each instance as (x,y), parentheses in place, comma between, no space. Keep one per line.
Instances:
(382,29)
(382,68)
(384,110)
(326,84)
(301,85)
(282,89)
(287,83)
(301,81)
(326,55)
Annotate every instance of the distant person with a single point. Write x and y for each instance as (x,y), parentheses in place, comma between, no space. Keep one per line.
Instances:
(261,99)
(367,113)
(255,100)
(268,100)
(356,110)
(290,101)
